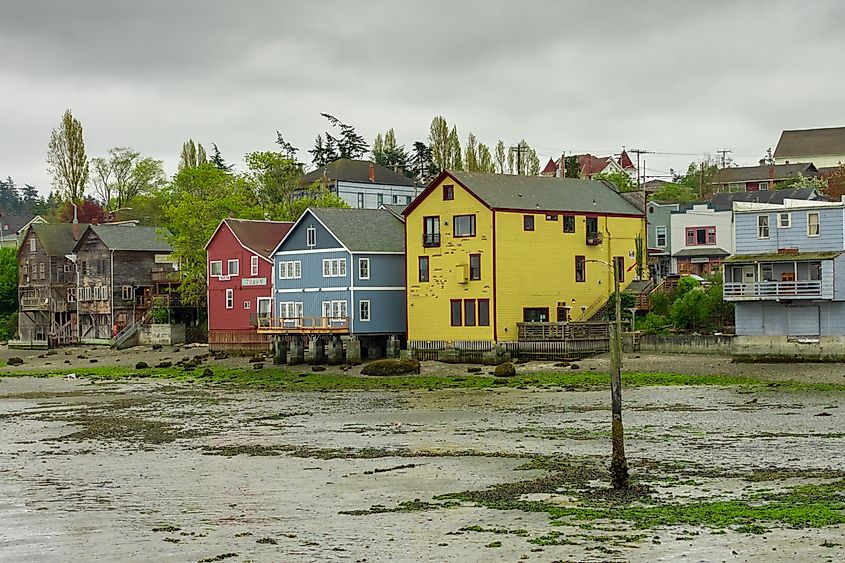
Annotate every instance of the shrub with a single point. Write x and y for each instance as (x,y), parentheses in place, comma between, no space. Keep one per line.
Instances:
(504,370)
(691,311)
(654,323)
(660,303)
(391,367)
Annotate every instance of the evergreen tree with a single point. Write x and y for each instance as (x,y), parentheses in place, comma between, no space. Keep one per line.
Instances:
(217,160)
(287,149)
(10,201)
(421,163)
(350,145)
(322,154)
(388,153)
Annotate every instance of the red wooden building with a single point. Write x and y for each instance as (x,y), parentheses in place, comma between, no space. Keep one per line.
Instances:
(240,282)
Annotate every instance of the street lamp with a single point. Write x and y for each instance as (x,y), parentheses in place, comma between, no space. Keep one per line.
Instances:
(618,464)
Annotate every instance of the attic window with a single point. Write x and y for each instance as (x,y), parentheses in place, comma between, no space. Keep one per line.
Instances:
(448,192)
(311,236)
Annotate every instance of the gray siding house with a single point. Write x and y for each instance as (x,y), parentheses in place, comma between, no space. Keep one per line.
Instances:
(341,272)
(363,184)
(787,276)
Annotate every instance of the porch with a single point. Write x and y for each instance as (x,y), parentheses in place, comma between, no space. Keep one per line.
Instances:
(302,325)
(779,276)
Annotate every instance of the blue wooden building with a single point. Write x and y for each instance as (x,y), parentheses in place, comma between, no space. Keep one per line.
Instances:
(787,276)
(340,272)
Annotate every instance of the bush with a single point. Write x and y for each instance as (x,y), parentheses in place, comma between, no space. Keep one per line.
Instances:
(391,367)
(691,311)
(660,303)
(654,323)
(504,370)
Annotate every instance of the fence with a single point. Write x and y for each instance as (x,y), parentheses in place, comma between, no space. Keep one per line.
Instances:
(685,344)
(238,341)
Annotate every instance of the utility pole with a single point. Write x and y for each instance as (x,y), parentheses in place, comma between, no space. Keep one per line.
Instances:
(638,152)
(519,149)
(724,153)
(618,463)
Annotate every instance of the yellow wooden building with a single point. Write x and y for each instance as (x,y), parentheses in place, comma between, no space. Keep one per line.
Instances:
(485,252)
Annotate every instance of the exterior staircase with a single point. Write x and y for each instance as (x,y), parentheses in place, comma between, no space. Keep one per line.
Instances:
(126,338)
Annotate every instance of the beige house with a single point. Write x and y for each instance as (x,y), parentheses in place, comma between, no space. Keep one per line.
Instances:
(823,147)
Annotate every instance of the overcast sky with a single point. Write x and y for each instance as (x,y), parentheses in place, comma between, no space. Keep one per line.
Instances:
(668,76)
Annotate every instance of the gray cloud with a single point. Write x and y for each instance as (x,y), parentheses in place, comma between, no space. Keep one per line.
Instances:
(669,76)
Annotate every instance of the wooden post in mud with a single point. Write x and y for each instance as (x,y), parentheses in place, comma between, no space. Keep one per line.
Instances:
(618,464)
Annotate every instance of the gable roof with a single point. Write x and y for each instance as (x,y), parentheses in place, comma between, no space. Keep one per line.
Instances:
(357,171)
(551,168)
(764,172)
(14,221)
(394,208)
(725,201)
(593,164)
(625,161)
(130,238)
(535,193)
(363,230)
(57,239)
(811,142)
(257,236)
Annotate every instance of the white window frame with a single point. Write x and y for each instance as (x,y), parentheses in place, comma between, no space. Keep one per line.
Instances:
(788,217)
(253,266)
(211,267)
(71,295)
(361,307)
(660,230)
(360,200)
(96,293)
(126,292)
(87,293)
(247,305)
(237,270)
(818,224)
(363,268)
(230,298)
(335,309)
(32,244)
(761,219)
(269,301)
(334,267)
(291,312)
(311,236)
(290,270)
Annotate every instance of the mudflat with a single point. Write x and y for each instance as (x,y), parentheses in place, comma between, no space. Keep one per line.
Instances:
(158,469)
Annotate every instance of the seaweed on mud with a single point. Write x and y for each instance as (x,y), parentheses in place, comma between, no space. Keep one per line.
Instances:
(220,557)
(244,449)
(102,427)
(415,505)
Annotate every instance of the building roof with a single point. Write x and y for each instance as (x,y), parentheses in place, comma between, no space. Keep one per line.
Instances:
(394,208)
(725,201)
(732,175)
(811,142)
(534,193)
(364,230)
(357,171)
(625,161)
(593,164)
(132,238)
(709,251)
(784,256)
(14,221)
(259,237)
(550,169)
(57,239)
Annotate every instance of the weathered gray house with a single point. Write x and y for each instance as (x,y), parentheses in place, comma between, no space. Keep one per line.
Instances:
(121,270)
(47,284)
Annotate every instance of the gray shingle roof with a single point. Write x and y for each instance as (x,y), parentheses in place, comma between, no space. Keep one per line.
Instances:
(364,230)
(710,251)
(784,256)
(505,191)
(724,201)
(11,223)
(357,171)
(811,142)
(57,238)
(765,172)
(133,238)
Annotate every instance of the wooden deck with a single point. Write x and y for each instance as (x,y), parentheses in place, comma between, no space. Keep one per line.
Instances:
(303,325)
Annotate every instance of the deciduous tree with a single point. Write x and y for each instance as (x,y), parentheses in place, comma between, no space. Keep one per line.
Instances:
(620,179)
(67,162)
(123,175)
(439,143)
(193,155)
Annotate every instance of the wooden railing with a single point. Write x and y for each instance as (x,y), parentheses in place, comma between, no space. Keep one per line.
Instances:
(544,332)
(165,276)
(302,325)
(772,289)
(33,302)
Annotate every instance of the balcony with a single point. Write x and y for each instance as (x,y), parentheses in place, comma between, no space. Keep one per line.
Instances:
(33,302)
(165,276)
(302,325)
(738,291)
(431,239)
(594,239)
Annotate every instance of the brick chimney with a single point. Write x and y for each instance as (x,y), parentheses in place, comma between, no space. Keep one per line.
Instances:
(372,173)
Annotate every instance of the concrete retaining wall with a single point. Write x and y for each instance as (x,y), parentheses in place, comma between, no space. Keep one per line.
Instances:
(161,334)
(685,344)
(823,349)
